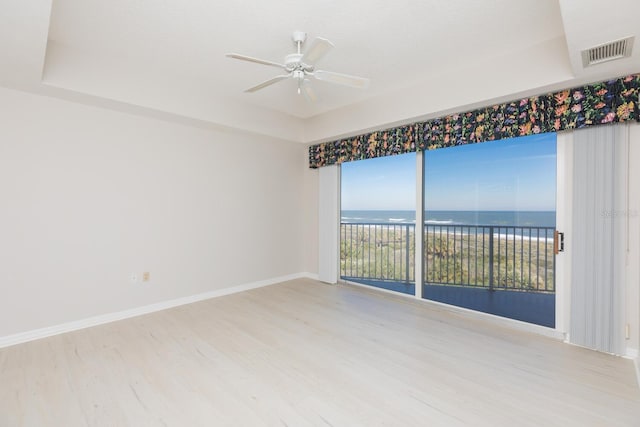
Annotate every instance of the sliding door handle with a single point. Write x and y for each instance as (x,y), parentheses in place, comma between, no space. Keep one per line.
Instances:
(558,242)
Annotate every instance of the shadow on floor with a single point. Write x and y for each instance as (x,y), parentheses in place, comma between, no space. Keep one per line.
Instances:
(532,307)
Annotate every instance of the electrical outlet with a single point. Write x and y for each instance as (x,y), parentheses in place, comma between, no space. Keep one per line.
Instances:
(146,276)
(133,277)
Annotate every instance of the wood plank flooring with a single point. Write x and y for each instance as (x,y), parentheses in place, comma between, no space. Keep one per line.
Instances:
(302,353)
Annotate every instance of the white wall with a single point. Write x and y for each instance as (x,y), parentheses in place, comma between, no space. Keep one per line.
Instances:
(534,70)
(89,196)
(633,259)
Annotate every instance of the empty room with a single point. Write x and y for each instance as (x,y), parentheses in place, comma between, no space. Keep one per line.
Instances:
(319,213)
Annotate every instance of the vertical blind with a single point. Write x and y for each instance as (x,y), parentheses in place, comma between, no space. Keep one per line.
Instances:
(328,220)
(599,238)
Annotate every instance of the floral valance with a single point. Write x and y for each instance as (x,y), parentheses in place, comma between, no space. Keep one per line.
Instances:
(595,104)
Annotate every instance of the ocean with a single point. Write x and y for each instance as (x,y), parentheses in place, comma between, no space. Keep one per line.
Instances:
(510,218)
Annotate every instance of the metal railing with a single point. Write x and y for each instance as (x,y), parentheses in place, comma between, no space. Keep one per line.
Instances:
(376,251)
(493,257)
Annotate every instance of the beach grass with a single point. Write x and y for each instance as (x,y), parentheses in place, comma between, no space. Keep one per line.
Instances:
(460,255)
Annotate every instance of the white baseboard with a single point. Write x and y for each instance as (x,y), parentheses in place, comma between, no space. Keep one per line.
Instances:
(632,353)
(314,276)
(23,337)
(635,357)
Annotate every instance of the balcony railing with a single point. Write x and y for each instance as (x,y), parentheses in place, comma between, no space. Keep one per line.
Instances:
(375,251)
(492,257)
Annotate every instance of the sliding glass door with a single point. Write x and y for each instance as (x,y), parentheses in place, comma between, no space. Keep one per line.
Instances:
(377,227)
(489,224)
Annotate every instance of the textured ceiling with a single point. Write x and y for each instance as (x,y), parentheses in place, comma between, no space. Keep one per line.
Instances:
(168,58)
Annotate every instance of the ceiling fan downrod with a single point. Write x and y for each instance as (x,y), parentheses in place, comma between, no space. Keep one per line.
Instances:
(299,37)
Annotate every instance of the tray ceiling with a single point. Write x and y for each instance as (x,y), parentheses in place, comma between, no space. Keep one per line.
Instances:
(423,57)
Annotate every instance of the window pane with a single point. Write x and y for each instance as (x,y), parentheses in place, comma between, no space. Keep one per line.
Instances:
(489,226)
(378,222)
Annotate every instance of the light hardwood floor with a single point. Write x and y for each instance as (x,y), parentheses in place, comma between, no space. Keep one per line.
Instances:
(303,353)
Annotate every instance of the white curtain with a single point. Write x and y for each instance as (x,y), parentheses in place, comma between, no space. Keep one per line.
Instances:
(328,223)
(599,237)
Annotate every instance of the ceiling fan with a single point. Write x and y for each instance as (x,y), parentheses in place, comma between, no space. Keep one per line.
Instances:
(301,67)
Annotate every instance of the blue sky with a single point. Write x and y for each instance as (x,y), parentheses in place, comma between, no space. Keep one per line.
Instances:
(514,174)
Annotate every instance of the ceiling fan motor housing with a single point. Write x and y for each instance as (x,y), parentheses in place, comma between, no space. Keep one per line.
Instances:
(293,62)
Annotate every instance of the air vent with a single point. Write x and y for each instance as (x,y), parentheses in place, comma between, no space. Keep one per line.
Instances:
(607,52)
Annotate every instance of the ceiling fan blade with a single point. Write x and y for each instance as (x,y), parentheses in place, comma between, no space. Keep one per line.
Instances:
(268,83)
(256,60)
(318,49)
(308,92)
(342,79)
